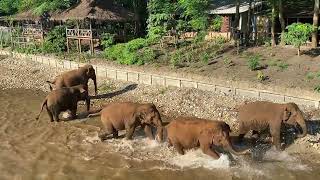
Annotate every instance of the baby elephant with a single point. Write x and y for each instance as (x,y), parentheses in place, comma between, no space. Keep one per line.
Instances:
(127,116)
(189,132)
(75,77)
(64,99)
(261,115)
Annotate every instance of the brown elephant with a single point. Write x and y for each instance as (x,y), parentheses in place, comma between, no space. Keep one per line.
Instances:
(127,116)
(75,77)
(64,99)
(190,132)
(260,115)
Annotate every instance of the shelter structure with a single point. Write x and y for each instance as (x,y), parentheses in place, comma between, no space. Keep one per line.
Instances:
(90,11)
(227,9)
(26,28)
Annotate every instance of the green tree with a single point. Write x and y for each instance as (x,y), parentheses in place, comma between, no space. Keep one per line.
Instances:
(9,7)
(161,17)
(298,34)
(194,11)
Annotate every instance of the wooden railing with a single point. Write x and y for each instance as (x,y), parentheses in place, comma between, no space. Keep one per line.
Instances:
(79,33)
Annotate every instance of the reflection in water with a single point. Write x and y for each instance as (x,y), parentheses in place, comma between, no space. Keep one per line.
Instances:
(72,150)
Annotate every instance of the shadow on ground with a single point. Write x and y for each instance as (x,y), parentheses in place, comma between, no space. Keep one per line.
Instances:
(116,93)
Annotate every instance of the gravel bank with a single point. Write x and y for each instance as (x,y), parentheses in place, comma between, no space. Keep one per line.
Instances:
(171,102)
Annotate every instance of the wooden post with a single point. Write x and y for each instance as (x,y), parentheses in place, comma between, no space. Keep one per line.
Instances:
(67,40)
(91,41)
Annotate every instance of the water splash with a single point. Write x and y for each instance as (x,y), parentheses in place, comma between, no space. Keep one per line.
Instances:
(196,159)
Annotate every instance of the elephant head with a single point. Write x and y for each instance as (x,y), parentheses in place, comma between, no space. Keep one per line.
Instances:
(148,114)
(90,73)
(293,115)
(220,137)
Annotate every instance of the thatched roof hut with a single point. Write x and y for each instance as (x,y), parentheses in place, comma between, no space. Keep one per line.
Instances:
(101,10)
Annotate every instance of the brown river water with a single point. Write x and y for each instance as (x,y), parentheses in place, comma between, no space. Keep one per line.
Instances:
(31,149)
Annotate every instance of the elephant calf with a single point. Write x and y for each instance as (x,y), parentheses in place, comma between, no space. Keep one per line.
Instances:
(260,115)
(64,99)
(75,77)
(189,132)
(127,116)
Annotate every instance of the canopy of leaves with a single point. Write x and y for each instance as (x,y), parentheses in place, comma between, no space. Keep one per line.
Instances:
(161,17)
(298,34)
(9,7)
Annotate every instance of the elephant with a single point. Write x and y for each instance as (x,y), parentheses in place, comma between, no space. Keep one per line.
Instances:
(75,77)
(190,132)
(127,116)
(261,115)
(64,99)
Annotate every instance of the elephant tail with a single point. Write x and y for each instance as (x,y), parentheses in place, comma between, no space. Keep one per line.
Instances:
(94,113)
(43,104)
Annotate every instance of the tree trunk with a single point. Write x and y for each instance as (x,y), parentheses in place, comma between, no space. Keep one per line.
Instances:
(273,24)
(282,22)
(249,23)
(236,21)
(315,24)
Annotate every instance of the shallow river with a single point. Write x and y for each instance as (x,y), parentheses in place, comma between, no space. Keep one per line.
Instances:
(31,149)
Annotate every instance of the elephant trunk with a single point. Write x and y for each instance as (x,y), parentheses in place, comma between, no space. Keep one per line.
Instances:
(159,136)
(94,78)
(302,123)
(158,123)
(231,149)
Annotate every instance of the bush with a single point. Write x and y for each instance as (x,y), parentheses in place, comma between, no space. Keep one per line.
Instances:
(176,59)
(55,41)
(136,44)
(107,40)
(254,62)
(217,23)
(133,52)
(114,52)
(283,66)
(298,34)
(205,57)
(260,76)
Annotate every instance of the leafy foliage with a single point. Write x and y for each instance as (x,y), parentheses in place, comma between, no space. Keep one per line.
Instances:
(38,7)
(161,17)
(298,34)
(133,52)
(55,41)
(217,23)
(195,12)
(253,62)
(107,39)
(9,7)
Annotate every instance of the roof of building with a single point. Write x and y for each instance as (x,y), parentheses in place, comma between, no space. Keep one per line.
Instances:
(104,10)
(229,6)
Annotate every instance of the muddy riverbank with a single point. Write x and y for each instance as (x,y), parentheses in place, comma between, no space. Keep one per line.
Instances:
(72,150)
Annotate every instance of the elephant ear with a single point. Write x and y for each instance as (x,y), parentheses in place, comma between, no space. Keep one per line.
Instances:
(208,135)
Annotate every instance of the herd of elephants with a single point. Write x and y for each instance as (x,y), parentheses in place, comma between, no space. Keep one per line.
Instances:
(183,132)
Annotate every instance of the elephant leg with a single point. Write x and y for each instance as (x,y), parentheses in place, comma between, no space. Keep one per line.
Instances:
(205,147)
(55,112)
(242,133)
(275,133)
(108,130)
(130,131)
(169,142)
(148,131)
(178,147)
(73,113)
(115,133)
(50,114)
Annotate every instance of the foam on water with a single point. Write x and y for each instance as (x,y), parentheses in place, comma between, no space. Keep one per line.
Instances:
(196,159)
